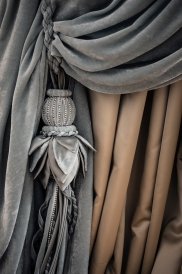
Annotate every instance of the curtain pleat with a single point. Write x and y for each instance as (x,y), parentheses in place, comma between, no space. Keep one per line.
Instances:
(123,153)
(104,127)
(163,176)
(171,241)
(141,218)
(136,142)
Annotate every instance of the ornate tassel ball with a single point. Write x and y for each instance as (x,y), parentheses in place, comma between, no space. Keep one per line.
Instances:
(58,109)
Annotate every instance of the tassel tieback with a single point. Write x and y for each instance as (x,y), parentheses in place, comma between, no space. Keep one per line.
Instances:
(55,158)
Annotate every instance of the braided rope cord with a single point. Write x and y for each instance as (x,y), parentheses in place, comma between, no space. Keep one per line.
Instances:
(47,9)
(73,213)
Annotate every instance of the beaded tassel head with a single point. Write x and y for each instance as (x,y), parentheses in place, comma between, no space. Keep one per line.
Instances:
(59,109)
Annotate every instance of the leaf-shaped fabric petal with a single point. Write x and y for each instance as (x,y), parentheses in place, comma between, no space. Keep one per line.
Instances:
(65,158)
(38,142)
(82,163)
(40,165)
(38,153)
(68,142)
(52,161)
(62,179)
(83,140)
(45,173)
(55,169)
(67,179)
(83,151)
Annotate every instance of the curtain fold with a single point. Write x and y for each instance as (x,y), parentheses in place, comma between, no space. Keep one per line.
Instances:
(170,243)
(132,182)
(142,215)
(112,47)
(104,124)
(22,66)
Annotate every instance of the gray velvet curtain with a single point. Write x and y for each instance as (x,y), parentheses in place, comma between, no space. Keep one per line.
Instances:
(130,202)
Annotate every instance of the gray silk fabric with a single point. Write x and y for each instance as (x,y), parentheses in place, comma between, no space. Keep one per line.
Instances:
(110,46)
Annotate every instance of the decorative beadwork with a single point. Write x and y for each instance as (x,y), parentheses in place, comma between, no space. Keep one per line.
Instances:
(58,109)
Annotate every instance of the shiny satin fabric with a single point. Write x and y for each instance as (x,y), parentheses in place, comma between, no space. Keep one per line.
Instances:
(137,218)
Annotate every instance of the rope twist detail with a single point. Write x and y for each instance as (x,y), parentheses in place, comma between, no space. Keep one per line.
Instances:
(47,11)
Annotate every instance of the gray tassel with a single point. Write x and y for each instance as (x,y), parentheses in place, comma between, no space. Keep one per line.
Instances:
(55,158)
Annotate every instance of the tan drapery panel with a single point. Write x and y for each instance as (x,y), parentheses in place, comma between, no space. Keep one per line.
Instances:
(137,214)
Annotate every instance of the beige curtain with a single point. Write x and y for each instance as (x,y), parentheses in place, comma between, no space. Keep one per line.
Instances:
(137,214)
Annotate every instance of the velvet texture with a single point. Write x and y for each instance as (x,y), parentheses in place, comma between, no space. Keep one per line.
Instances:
(110,47)
(124,47)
